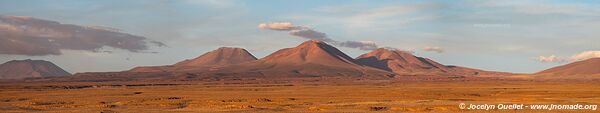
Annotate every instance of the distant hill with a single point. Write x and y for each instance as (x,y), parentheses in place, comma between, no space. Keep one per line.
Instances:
(402,62)
(219,57)
(20,69)
(585,67)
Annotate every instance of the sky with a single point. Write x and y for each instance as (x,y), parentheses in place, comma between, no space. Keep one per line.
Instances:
(522,36)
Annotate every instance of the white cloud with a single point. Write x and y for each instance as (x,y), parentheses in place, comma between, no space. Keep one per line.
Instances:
(434,49)
(285,26)
(577,57)
(551,58)
(585,55)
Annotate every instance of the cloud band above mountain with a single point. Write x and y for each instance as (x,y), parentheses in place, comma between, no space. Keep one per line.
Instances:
(309,33)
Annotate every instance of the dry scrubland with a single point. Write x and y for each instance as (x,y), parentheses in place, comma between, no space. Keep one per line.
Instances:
(362,96)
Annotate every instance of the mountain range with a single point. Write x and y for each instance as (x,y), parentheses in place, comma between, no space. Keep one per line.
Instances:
(312,58)
(402,62)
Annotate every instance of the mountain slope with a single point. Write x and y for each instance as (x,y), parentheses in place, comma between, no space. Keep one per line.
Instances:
(589,66)
(19,69)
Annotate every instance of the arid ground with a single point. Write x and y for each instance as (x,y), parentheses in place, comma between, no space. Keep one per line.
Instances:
(359,96)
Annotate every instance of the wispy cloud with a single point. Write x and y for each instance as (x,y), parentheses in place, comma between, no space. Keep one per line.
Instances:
(300,31)
(363,17)
(383,15)
(434,49)
(543,8)
(362,45)
(213,3)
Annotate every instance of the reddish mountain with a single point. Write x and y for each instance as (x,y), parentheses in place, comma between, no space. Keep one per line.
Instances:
(220,57)
(402,62)
(313,52)
(311,58)
(19,69)
(585,67)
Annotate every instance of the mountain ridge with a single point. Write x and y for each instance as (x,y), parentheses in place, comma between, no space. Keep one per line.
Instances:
(402,62)
(20,69)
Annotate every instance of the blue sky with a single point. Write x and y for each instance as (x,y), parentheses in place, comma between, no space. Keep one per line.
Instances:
(495,35)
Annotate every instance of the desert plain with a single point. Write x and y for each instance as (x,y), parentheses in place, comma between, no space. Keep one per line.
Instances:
(293,96)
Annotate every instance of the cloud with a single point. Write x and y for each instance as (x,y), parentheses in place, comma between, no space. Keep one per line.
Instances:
(434,49)
(309,33)
(283,26)
(300,31)
(212,3)
(159,44)
(403,50)
(585,55)
(363,17)
(362,45)
(544,8)
(577,57)
(21,35)
(551,58)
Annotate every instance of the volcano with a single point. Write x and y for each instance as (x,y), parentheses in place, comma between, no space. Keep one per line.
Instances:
(220,57)
(584,67)
(402,62)
(312,58)
(20,69)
